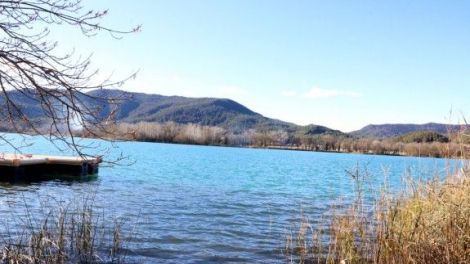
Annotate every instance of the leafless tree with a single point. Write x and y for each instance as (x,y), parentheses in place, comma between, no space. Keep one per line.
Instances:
(31,68)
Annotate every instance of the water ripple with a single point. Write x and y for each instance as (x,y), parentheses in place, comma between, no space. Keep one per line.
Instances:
(191,204)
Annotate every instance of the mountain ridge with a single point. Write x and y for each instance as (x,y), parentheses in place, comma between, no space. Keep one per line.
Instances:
(389,130)
(224,112)
(134,107)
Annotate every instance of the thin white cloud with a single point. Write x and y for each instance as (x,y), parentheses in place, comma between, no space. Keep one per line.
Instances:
(289,93)
(316,93)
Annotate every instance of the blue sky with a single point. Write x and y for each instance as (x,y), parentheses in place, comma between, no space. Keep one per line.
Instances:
(343,64)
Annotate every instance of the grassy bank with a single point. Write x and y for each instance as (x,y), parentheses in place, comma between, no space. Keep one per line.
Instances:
(429,222)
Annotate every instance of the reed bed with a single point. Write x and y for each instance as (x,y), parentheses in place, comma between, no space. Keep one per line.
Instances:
(428,222)
(72,233)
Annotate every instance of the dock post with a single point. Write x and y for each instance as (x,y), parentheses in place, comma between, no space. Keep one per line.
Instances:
(84,169)
(92,169)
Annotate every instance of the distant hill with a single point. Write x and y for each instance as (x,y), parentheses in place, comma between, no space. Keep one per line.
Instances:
(137,107)
(25,101)
(394,130)
(226,113)
(422,137)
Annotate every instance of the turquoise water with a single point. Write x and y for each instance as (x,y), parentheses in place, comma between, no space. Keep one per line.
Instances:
(199,204)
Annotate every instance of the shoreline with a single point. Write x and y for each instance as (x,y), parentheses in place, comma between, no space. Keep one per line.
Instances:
(284,148)
(277,147)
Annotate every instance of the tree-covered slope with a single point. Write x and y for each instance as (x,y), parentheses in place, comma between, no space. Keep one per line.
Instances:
(131,107)
(394,130)
(225,113)
(422,137)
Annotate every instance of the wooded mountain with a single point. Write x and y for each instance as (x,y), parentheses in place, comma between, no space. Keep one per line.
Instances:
(225,113)
(140,107)
(393,130)
(422,137)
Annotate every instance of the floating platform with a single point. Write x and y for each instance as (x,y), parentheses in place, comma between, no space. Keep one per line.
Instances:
(31,167)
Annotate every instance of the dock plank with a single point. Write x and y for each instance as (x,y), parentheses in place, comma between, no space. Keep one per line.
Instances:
(16,160)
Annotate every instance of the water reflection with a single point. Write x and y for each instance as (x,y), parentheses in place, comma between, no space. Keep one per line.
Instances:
(37,180)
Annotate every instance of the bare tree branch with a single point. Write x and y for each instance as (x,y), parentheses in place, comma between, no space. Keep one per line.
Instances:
(31,69)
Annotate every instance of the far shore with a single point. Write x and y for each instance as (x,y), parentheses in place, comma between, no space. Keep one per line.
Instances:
(299,148)
(323,143)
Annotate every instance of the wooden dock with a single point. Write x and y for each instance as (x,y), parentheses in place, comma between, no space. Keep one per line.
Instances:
(28,166)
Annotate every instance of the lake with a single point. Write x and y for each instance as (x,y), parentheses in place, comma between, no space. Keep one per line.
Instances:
(200,204)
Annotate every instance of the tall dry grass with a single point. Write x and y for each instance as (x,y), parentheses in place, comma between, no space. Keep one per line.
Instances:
(428,222)
(72,233)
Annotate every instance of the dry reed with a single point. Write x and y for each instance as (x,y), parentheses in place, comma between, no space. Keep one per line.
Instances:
(72,233)
(429,222)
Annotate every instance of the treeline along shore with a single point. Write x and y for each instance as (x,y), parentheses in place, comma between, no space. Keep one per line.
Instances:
(224,122)
(421,143)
